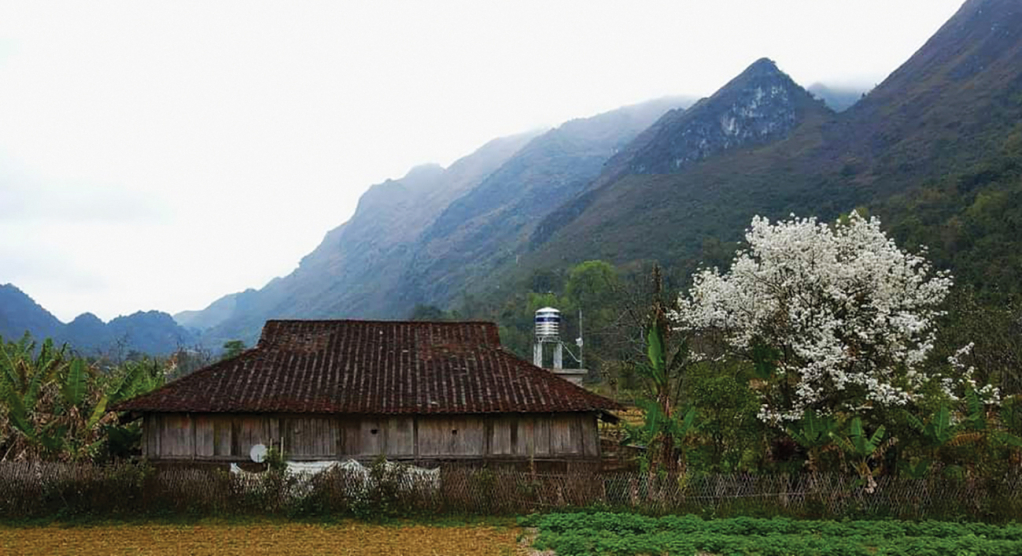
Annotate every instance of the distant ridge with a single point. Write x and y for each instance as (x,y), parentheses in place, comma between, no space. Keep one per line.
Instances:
(152,332)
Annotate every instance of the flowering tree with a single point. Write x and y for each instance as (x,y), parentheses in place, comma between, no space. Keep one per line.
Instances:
(836,317)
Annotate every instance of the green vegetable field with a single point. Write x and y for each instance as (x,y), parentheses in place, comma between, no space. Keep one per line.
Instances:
(627,534)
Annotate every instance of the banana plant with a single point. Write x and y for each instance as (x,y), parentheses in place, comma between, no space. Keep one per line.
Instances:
(976,427)
(138,378)
(1010,417)
(937,431)
(934,433)
(680,426)
(87,395)
(665,428)
(814,435)
(23,376)
(863,448)
(56,407)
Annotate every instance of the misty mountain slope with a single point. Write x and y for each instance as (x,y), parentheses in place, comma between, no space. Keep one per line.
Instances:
(423,237)
(760,106)
(217,312)
(949,106)
(356,270)
(152,332)
(489,223)
(946,114)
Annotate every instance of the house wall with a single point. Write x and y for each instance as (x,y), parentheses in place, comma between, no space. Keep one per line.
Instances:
(509,437)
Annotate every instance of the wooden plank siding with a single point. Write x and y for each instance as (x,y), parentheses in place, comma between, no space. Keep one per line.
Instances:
(230,437)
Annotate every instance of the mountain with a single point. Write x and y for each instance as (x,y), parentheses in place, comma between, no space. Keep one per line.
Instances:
(20,313)
(356,270)
(934,150)
(837,99)
(760,106)
(152,332)
(87,330)
(487,225)
(216,313)
(421,238)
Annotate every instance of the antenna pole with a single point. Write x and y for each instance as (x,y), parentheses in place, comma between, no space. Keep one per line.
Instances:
(581,365)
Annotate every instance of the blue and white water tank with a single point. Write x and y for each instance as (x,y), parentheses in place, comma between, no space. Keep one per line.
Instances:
(548,324)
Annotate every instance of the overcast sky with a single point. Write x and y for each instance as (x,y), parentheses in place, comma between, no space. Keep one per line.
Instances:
(160,155)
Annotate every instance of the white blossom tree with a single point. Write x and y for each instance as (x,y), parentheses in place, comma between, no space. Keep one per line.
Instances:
(843,315)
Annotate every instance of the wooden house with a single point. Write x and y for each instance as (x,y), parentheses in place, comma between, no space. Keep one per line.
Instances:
(423,392)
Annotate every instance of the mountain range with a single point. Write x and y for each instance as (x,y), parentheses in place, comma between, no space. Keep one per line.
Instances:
(149,332)
(935,150)
(421,238)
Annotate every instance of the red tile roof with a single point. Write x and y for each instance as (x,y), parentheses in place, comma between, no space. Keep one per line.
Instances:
(374,367)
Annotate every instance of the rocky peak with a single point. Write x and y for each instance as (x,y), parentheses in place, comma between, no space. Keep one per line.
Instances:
(760,105)
(762,68)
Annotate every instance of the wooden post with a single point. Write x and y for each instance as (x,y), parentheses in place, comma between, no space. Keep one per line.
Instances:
(415,440)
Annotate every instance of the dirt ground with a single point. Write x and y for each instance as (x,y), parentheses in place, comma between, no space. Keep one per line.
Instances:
(252,540)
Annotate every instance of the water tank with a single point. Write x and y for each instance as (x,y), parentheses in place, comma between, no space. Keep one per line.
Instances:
(548,324)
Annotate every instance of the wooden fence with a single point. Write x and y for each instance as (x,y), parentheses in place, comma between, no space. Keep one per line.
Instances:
(46,490)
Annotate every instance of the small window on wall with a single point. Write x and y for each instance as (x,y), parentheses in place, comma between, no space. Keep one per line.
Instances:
(373,431)
(454,431)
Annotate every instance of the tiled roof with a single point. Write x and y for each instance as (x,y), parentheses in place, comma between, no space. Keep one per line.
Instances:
(374,367)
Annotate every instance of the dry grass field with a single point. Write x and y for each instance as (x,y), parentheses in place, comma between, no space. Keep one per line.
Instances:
(348,538)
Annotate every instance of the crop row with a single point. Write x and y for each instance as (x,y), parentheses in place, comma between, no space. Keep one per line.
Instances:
(605,543)
(628,534)
(626,523)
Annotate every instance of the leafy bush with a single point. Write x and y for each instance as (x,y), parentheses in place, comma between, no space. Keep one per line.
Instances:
(379,494)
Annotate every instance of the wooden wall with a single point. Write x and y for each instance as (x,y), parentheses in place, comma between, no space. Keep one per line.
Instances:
(226,437)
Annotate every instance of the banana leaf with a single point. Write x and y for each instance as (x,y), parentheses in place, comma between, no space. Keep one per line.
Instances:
(73,389)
